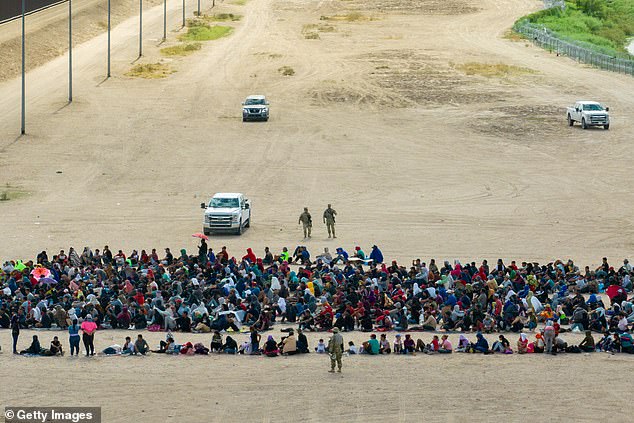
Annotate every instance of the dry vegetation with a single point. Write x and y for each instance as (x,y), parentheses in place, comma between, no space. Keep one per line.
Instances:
(420,7)
(286,71)
(184,49)
(10,192)
(348,17)
(493,70)
(150,71)
(311,31)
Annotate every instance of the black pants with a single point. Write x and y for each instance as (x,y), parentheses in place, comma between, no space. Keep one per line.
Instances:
(89,343)
(15,342)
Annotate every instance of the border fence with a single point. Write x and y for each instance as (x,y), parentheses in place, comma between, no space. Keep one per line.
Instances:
(545,38)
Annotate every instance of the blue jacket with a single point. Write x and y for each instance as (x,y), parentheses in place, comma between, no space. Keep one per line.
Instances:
(376,255)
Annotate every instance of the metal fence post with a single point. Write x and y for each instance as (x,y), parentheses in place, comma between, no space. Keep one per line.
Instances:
(70,51)
(108,75)
(164,20)
(23,114)
(140,28)
(183,13)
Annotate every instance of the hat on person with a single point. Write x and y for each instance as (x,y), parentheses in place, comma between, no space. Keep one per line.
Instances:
(88,317)
(335,330)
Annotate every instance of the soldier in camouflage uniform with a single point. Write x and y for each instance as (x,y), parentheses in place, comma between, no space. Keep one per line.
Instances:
(329,220)
(307,222)
(335,348)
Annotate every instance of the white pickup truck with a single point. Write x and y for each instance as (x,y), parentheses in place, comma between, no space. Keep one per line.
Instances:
(589,113)
(226,211)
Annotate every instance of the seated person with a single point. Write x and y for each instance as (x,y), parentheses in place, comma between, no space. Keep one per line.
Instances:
(321,347)
(128,346)
(445,345)
(587,345)
(230,346)
(35,347)
(141,346)
(216,342)
(409,347)
(371,346)
(56,347)
(384,345)
(289,344)
(270,347)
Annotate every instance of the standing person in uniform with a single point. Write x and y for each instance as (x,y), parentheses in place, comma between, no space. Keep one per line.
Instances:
(307,222)
(15,330)
(335,348)
(329,220)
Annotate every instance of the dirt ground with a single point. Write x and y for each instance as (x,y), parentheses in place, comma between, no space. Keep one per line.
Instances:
(431,132)
(218,388)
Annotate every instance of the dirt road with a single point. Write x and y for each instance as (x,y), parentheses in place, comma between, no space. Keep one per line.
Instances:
(380,118)
(390,117)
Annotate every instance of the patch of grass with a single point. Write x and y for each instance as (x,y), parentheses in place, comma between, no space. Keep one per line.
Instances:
(490,70)
(348,17)
(239,2)
(222,17)
(10,192)
(286,71)
(205,32)
(311,31)
(602,25)
(150,71)
(181,49)
(218,17)
(513,36)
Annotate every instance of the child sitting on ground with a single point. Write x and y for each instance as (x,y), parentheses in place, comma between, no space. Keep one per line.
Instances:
(352,349)
(321,347)
(398,344)
(384,345)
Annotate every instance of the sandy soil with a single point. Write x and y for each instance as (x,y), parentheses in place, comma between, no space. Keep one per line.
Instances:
(378,119)
(47,32)
(459,387)
(381,120)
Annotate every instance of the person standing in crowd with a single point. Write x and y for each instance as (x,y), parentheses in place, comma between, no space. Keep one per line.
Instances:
(307,222)
(88,328)
(15,329)
(329,220)
(335,348)
(202,252)
(73,337)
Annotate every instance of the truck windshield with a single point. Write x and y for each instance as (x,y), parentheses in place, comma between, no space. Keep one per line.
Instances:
(224,203)
(592,107)
(254,101)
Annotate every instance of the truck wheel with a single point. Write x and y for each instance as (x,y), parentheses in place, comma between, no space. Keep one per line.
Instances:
(206,231)
(570,121)
(583,123)
(606,127)
(248,224)
(240,229)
